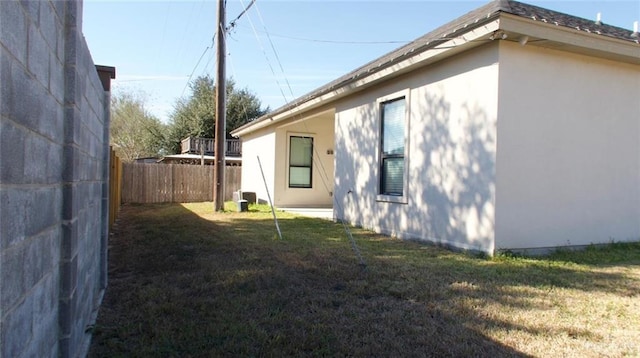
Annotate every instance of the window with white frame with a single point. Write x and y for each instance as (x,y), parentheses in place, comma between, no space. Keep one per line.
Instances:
(392,146)
(300,161)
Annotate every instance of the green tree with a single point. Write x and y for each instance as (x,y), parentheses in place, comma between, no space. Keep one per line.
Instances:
(134,132)
(195,115)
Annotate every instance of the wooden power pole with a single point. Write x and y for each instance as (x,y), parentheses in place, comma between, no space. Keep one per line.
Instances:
(221,109)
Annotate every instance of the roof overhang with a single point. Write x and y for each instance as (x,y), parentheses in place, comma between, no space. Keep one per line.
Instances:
(448,42)
(547,34)
(447,45)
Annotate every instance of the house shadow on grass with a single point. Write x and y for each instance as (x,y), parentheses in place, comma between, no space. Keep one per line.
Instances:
(223,284)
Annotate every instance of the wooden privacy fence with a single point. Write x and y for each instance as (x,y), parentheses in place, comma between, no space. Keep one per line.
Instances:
(115,186)
(176,183)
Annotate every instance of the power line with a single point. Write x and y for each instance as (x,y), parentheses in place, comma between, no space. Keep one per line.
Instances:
(353,42)
(233,73)
(346,42)
(273,72)
(232,24)
(318,163)
(273,48)
(213,39)
(188,29)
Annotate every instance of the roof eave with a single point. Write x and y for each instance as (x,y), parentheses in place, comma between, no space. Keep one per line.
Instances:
(548,34)
(459,35)
(444,45)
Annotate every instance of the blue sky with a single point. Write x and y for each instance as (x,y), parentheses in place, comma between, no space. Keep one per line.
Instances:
(157,45)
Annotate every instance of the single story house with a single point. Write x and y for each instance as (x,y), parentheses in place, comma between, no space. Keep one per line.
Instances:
(511,127)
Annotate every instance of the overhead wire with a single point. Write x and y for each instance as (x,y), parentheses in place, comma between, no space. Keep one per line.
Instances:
(318,163)
(232,24)
(233,73)
(273,72)
(211,46)
(354,42)
(213,39)
(206,65)
(346,42)
(187,30)
(164,30)
(273,48)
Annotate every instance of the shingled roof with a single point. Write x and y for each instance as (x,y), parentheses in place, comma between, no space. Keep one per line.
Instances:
(467,22)
(559,19)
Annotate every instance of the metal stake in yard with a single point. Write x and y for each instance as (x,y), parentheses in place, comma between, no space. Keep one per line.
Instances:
(275,219)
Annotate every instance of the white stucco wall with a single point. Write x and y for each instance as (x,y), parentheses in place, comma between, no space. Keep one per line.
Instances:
(568,163)
(319,126)
(451,158)
(262,144)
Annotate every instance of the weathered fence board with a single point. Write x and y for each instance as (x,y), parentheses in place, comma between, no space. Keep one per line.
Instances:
(115,186)
(178,183)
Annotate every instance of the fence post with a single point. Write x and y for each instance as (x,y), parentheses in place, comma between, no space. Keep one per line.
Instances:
(115,186)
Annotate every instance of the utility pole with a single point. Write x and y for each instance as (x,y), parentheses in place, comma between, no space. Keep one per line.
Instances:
(221,109)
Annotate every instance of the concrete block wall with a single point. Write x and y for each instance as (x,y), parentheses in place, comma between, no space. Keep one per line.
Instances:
(54,121)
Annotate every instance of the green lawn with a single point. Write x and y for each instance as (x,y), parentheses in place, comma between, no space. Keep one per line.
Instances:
(184,281)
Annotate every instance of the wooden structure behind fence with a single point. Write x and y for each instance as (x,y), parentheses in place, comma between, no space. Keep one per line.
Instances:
(115,186)
(176,183)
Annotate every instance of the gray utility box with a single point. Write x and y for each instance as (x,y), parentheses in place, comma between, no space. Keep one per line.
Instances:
(240,198)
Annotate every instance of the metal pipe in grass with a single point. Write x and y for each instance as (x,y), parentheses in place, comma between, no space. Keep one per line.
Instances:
(273,211)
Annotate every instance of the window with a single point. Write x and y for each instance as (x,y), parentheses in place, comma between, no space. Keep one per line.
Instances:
(392,147)
(300,160)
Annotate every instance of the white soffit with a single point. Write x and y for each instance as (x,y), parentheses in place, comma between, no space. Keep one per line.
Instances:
(573,40)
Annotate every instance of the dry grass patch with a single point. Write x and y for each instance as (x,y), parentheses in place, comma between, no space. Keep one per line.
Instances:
(188,282)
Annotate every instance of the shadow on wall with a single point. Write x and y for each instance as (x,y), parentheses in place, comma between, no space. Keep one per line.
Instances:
(459,186)
(356,166)
(451,177)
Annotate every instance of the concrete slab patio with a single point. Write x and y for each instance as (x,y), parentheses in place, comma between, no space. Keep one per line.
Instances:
(322,213)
